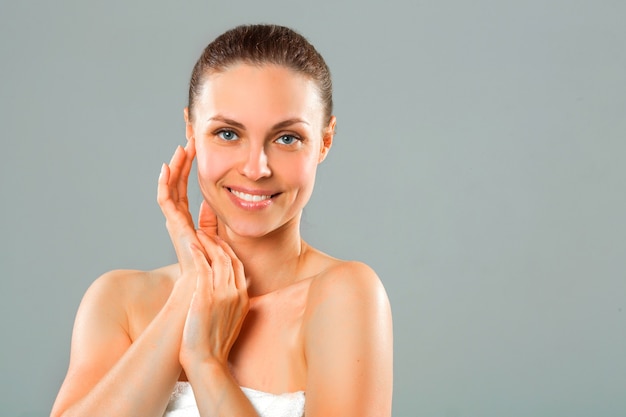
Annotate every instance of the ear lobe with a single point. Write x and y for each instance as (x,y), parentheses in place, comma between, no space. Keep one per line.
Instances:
(327,139)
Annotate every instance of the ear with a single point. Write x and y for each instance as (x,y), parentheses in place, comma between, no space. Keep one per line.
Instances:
(327,139)
(188,126)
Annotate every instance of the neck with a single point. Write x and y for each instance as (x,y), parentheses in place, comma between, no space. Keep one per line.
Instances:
(271,261)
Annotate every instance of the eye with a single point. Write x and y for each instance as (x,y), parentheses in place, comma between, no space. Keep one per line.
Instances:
(287,140)
(228,135)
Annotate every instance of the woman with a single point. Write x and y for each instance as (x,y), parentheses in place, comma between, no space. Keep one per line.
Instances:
(249,304)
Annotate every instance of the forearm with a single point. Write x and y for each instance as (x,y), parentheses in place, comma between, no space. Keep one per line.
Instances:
(217,393)
(141,381)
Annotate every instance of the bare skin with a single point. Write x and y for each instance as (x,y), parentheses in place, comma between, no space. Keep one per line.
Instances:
(249,303)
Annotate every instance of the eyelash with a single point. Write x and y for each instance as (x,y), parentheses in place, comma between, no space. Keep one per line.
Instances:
(220,133)
(294,137)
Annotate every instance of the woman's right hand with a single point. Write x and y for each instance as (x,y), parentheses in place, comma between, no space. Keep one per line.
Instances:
(172,198)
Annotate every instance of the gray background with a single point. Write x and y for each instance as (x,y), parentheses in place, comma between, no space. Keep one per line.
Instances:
(478,167)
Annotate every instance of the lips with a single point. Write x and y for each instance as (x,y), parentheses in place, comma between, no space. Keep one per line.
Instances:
(253,198)
(249,199)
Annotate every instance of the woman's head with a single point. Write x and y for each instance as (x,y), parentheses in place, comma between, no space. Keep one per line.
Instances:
(260,119)
(262,45)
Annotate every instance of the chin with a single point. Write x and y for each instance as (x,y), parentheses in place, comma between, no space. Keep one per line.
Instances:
(249,232)
(248,229)
(255,229)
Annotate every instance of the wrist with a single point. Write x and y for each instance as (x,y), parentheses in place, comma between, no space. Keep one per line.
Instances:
(181,295)
(206,368)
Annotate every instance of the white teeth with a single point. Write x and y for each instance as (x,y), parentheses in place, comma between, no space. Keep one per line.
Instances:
(250,197)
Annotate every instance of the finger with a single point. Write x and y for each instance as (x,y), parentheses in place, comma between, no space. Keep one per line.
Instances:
(189,153)
(173,214)
(178,219)
(163,191)
(239,276)
(176,165)
(204,284)
(164,197)
(215,258)
(220,261)
(207,221)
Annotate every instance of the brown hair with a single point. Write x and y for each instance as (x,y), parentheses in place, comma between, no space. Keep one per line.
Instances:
(263,44)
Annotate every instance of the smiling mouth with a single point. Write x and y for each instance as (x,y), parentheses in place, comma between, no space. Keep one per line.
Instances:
(253,198)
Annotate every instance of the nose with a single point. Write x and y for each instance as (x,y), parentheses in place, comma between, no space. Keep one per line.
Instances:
(256,165)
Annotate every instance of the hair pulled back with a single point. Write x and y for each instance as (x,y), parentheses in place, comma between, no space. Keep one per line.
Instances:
(259,45)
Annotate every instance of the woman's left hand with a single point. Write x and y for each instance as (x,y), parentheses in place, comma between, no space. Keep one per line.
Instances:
(218,307)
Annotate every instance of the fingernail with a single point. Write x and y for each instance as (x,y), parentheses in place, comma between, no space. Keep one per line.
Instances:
(162,169)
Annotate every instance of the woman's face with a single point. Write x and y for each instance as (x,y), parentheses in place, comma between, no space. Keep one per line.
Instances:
(259,136)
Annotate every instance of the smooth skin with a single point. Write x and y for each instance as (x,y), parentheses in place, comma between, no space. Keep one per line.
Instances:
(249,303)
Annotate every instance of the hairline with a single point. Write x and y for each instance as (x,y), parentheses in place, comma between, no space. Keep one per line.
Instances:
(208,72)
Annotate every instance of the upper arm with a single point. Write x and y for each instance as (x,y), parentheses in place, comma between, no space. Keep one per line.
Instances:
(348,345)
(99,339)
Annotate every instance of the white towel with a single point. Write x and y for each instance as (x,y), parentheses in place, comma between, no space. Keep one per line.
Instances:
(183,403)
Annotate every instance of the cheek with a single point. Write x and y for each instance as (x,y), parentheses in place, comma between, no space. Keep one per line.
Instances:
(210,168)
(299,172)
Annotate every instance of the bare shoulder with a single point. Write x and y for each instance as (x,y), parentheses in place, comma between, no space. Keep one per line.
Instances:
(127,285)
(112,313)
(347,280)
(348,342)
(126,295)
(345,296)
(116,283)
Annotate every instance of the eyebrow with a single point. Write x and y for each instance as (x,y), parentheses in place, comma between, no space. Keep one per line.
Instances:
(279,125)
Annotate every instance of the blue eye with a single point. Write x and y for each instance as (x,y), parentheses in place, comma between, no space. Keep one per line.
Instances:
(227,135)
(287,140)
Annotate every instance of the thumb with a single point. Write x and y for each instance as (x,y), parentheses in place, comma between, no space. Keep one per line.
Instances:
(207,221)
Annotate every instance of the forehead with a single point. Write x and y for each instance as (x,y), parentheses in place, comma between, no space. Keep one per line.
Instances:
(269,92)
